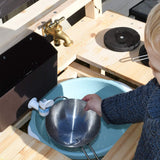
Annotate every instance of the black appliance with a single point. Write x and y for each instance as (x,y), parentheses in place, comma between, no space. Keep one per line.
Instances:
(28,69)
(142,9)
(9,8)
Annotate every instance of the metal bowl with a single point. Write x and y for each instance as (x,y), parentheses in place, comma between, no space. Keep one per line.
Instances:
(70,126)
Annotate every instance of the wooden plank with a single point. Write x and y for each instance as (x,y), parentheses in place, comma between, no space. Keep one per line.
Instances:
(67,74)
(34,150)
(93,9)
(23,120)
(16,145)
(86,72)
(125,147)
(8,132)
(66,10)
(133,72)
(55,156)
(12,144)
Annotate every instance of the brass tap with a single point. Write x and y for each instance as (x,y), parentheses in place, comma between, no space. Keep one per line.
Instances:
(55,29)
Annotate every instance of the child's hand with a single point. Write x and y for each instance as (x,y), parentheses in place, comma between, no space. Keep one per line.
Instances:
(93,103)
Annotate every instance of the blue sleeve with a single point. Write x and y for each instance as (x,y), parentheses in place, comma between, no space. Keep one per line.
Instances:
(149,144)
(128,107)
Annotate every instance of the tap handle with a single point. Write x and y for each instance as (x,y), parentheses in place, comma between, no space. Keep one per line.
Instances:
(57,22)
(33,104)
(46,103)
(50,24)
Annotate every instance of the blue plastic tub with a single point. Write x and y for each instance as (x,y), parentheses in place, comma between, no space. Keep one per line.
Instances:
(78,88)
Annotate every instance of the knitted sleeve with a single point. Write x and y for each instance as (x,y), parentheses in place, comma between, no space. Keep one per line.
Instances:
(149,144)
(128,107)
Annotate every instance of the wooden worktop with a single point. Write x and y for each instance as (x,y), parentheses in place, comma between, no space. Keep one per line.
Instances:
(17,145)
(88,46)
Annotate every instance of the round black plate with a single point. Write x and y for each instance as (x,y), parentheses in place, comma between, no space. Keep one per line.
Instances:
(121,39)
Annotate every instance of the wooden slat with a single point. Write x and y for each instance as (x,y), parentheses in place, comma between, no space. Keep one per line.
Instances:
(23,120)
(66,9)
(93,9)
(86,72)
(67,74)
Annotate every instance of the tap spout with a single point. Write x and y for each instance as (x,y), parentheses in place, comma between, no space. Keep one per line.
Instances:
(55,29)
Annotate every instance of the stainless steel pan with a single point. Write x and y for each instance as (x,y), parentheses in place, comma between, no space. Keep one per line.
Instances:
(70,126)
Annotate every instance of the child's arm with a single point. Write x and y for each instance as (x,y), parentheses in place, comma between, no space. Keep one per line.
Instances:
(128,107)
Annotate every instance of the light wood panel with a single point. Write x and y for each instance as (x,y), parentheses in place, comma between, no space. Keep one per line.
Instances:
(17,145)
(83,71)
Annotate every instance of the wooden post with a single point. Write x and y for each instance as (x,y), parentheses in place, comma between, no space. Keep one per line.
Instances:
(93,9)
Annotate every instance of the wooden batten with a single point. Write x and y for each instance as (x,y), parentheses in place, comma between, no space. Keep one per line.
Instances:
(93,9)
